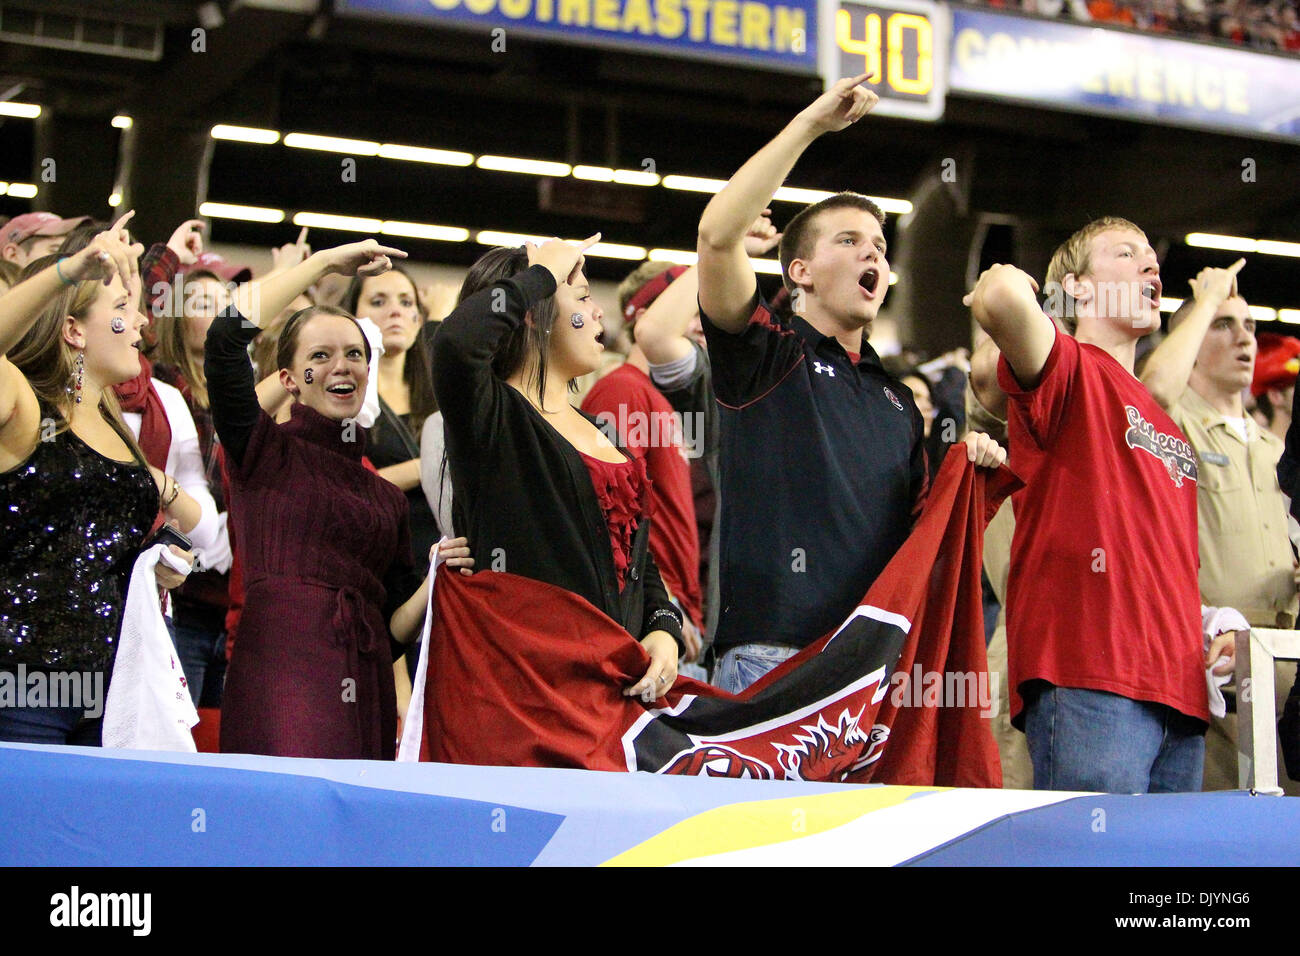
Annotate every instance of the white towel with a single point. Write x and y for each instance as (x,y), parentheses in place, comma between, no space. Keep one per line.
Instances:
(408,751)
(149,705)
(1216,621)
(369,413)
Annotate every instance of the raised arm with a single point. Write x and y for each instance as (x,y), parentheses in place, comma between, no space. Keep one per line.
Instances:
(1170,365)
(108,254)
(266,298)
(467,343)
(727,280)
(661,327)
(1004,302)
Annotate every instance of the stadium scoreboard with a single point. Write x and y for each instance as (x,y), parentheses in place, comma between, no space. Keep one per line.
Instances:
(902,46)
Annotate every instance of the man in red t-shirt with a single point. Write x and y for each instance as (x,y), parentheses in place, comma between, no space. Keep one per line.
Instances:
(627,401)
(1107,670)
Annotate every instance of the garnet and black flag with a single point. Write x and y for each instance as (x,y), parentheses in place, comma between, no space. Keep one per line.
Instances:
(522,673)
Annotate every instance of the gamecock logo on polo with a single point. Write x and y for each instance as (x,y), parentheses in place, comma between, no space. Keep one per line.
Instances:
(1174,453)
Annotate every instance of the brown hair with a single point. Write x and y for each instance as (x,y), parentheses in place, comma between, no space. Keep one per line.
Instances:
(529,340)
(800,234)
(1071,258)
(417,370)
(48,362)
(171,348)
(288,343)
(9,273)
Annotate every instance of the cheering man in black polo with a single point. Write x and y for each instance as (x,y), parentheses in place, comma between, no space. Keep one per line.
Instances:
(822,461)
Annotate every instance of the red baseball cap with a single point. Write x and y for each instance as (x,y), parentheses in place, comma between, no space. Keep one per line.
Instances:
(30,224)
(219,267)
(1276,363)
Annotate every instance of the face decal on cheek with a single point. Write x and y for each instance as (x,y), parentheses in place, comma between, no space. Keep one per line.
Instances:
(118,325)
(576,320)
(306,376)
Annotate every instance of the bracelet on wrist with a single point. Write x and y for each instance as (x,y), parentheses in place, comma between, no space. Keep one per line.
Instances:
(59,271)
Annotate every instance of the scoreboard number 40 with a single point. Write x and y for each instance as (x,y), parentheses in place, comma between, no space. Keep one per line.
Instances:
(900,45)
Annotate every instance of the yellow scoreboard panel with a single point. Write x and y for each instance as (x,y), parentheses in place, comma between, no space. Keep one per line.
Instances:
(902,46)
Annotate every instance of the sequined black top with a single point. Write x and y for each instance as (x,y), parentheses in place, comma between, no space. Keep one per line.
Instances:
(71,525)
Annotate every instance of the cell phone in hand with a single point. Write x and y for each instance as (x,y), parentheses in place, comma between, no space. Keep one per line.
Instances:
(168,535)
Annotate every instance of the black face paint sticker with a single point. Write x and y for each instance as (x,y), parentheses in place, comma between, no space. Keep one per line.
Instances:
(306,376)
(576,320)
(118,324)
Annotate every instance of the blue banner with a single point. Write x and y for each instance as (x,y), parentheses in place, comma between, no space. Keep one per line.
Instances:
(774,34)
(1124,74)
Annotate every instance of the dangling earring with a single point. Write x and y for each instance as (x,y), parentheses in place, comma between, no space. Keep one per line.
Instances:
(81,370)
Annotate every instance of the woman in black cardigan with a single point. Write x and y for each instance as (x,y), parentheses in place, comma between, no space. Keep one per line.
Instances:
(522,459)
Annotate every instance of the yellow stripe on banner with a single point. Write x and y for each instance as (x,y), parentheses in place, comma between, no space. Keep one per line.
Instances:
(740,826)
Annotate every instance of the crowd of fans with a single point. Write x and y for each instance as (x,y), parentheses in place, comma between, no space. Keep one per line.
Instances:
(1261,24)
(313,433)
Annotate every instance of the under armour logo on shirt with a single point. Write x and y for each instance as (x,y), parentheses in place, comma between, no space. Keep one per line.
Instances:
(828,369)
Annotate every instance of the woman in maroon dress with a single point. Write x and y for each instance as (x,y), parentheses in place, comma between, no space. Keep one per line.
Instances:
(324,541)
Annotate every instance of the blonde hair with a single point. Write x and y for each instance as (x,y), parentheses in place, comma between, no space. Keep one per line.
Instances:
(171,349)
(1071,258)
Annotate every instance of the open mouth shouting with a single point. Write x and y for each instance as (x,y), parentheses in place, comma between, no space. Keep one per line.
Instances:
(1151,292)
(869,281)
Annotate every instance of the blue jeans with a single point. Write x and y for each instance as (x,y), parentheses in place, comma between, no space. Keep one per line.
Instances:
(202,655)
(744,664)
(1093,740)
(50,725)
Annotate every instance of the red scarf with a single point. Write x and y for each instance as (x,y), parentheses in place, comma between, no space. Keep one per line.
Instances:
(139,395)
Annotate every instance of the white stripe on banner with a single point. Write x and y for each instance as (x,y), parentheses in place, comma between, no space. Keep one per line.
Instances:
(408,751)
(892,835)
(876,614)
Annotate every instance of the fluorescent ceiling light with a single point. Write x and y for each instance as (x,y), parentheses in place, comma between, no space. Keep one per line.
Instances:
(1289,315)
(625,177)
(1168,304)
(636,177)
(245,134)
(422,230)
(612,250)
(695,184)
(122,121)
(1262,313)
(22,190)
(533,167)
(324,220)
(794,194)
(420,154)
(489,237)
(770,267)
(899,207)
(1274,248)
(23,110)
(679,257)
(599,174)
(221,210)
(1209,240)
(332,144)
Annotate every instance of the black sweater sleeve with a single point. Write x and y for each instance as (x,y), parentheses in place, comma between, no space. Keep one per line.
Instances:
(660,614)
(231,386)
(467,342)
